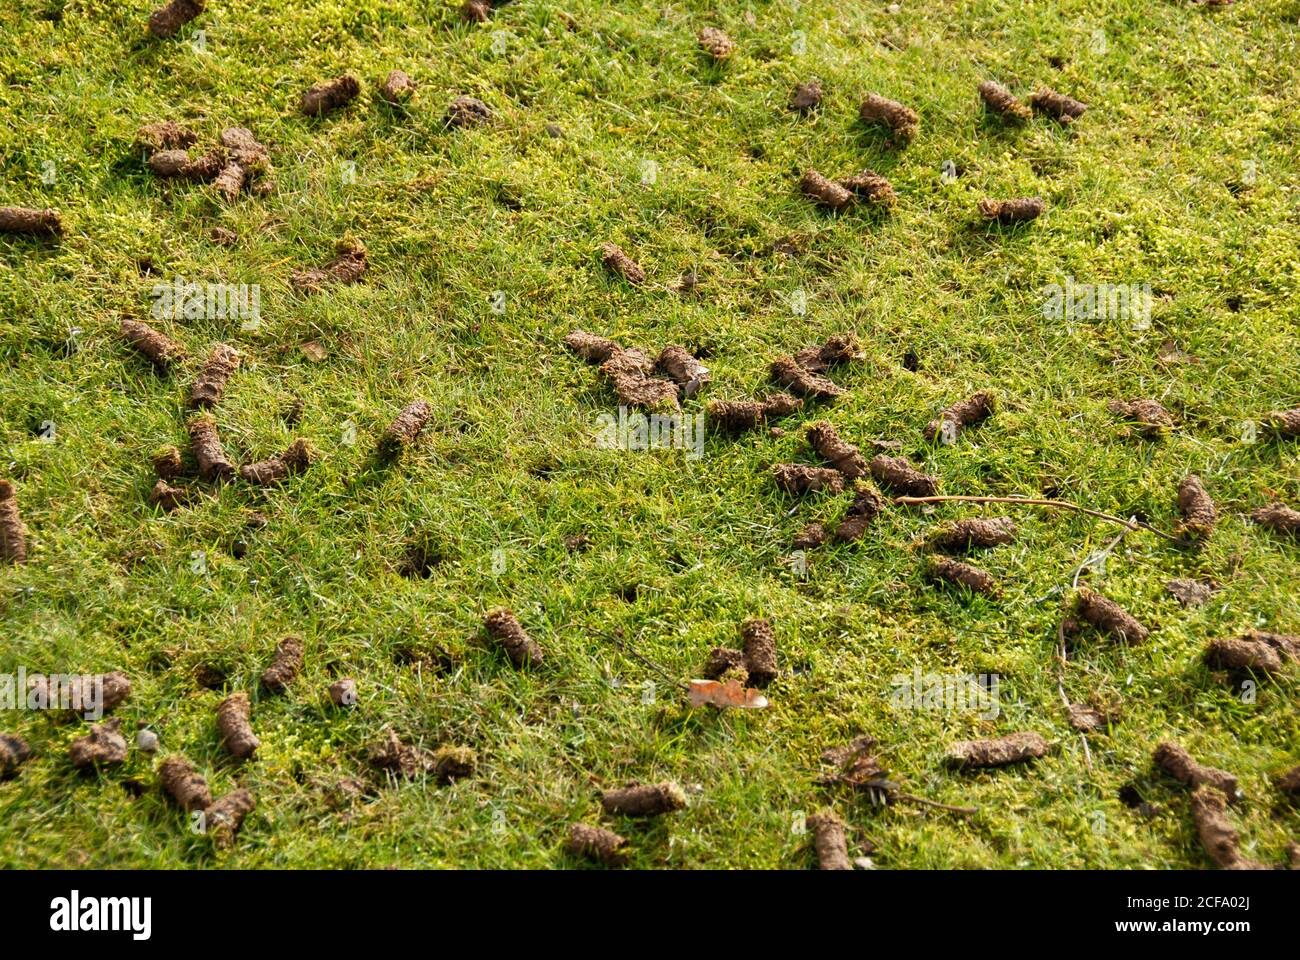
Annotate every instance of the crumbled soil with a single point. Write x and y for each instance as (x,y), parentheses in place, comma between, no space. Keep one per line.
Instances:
(827,193)
(739,416)
(947,570)
(1191,593)
(233,721)
(787,372)
(476,11)
(103,745)
(621,264)
(504,627)
(165,21)
(39,223)
(329,95)
(1242,656)
(1090,719)
(1001,101)
(843,456)
(343,693)
(184,784)
(902,121)
(467,112)
(114,690)
(164,135)
(13,532)
(14,751)
(628,371)
(1279,518)
(162,351)
(643,800)
(217,370)
(870,187)
(224,818)
(1178,763)
(806,96)
(246,161)
(1108,617)
(716,43)
(856,767)
(898,474)
(210,455)
(596,843)
(348,265)
(760,651)
(406,427)
(285,665)
(980,533)
(1285,423)
(840,348)
(867,505)
(1285,644)
(1057,105)
(1016,210)
(1197,509)
(974,410)
(446,764)
(1146,417)
(723,660)
(179,165)
(398,87)
(811,536)
(1014,748)
(829,841)
(1218,836)
(798,479)
(683,369)
(167,497)
(294,460)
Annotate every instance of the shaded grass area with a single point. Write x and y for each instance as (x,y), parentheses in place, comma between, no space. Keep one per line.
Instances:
(1183,175)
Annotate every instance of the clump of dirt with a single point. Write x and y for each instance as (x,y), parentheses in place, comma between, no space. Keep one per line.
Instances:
(233,721)
(83,694)
(161,350)
(467,112)
(999,752)
(1197,509)
(723,660)
(1000,100)
(330,95)
(1057,105)
(1146,417)
(716,43)
(103,745)
(871,187)
(739,416)
(828,193)
(165,21)
(1190,593)
(760,651)
(246,160)
(223,237)
(829,841)
(449,763)
(1218,836)
(806,96)
(13,532)
(184,784)
(217,370)
(14,751)
(164,135)
(788,373)
(296,458)
(590,347)
(398,87)
(1279,518)
(630,373)
(596,843)
(947,570)
(1017,210)
(1288,782)
(179,165)
(285,665)
(504,627)
(798,479)
(840,348)
(643,799)
(867,505)
(1285,644)
(856,767)
(476,11)
(446,764)
(1285,423)
(811,536)
(1089,719)
(981,533)
(224,818)
(898,474)
(343,693)
(974,410)
(1108,617)
(620,263)
(349,263)
(167,497)
(1242,655)
(902,121)
(684,369)
(213,463)
(39,223)
(1178,763)
(406,427)
(844,456)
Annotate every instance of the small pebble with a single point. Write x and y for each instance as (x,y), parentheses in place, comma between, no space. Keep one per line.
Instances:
(146,741)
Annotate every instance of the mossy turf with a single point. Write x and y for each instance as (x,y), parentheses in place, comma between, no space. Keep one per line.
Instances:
(609,124)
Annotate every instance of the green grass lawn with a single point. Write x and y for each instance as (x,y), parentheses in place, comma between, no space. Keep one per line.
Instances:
(1183,175)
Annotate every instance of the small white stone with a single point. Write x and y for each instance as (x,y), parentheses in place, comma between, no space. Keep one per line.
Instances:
(147,741)
(864,863)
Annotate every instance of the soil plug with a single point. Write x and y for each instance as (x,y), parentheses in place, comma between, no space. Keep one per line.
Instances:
(1057,105)
(236,732)
(14,751)
(1147,417)
(296,459)
(867,505)
(343,693)
(285,665)
(449,764)
(165,21)
(838,349)
(164,135)
(722,660)
(1242,655)
(104,744)
(184,784)
(901,120)
(406,427)
(505,629)
(349,263)
(330,95)
(476,11)
(1178,763)
(1196,508)
(811,536)
(760,651)
(100,692)
(1285,423)
(1019,210)
(1279,518)
(596,843)
(643,800)
(247,160)
(13,532)
(738,416)
(952,571)
(167,497)
(626,374)
(716,43)
(1108,617)
(999,100)
(224,818)
(826,192)
(1289,782)
(179,165)
(871,187)
(798,479)
(208,451)
(829,841)
(467,112)
(217,370)
(1218,836)
(844,456)
(590,347)
(685,370)
(963,535)
(789,374)
(1015,748)
(397,87)
(806,96)
(965,413)
(899,475)
(161,350)
(620,263)
(40,223)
